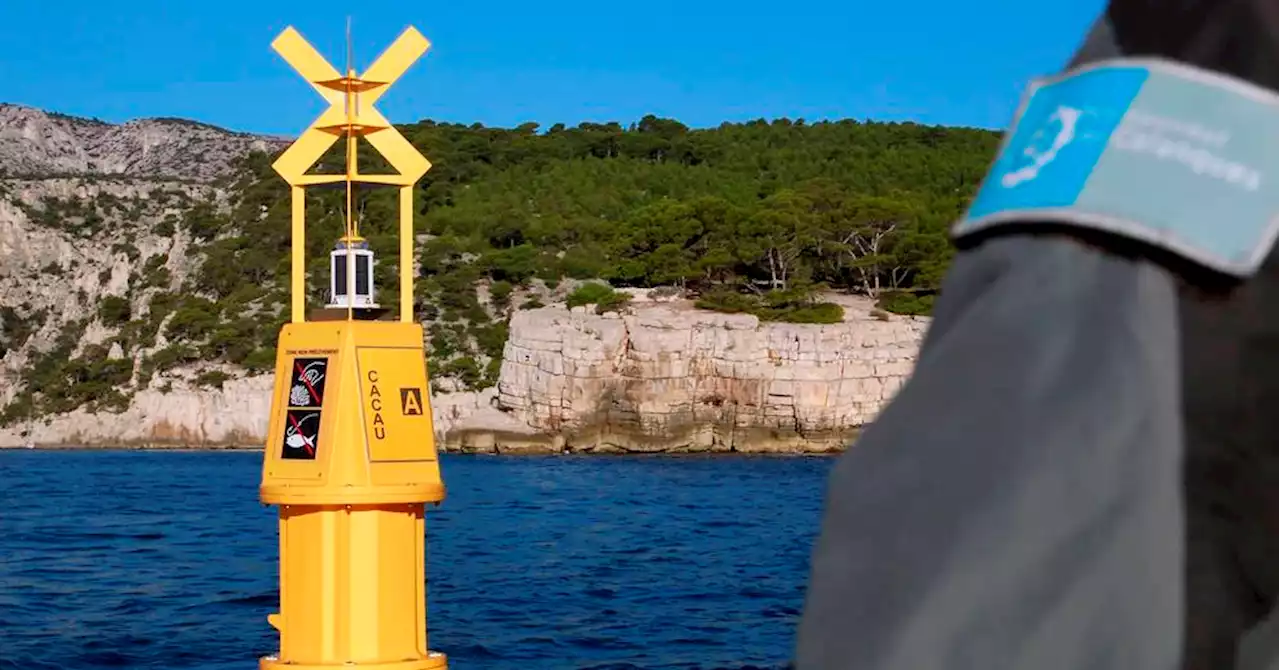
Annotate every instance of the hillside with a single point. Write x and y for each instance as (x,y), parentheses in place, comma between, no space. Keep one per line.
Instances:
(34,143)
(118,277)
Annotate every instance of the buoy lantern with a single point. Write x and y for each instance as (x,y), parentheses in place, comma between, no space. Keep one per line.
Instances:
(361,260)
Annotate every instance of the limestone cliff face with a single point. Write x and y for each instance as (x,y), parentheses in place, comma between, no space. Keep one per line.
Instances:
(56,279)
(91,211)
(36,143)
(664,378)
(673,378)
(234,416)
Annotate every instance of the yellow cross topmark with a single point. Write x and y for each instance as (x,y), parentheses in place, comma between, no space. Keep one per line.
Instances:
(364,119)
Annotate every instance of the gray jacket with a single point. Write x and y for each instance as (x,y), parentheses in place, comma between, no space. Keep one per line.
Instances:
(1080,474)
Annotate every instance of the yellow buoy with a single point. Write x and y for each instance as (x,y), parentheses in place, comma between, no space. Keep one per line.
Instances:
(350,454)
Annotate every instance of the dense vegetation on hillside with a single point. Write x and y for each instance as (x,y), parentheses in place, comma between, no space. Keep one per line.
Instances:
(745,217)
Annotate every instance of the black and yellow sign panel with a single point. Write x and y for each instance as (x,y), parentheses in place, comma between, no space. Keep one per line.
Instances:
(397,419)
(303,407)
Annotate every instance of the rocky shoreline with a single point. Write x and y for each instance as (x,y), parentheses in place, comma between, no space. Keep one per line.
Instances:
(600,440)
(606,441)
(664,378)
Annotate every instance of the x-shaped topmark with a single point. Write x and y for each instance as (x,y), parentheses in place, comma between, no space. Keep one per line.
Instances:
(369,122)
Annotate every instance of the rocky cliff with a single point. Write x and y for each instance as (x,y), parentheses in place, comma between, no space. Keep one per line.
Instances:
(37,143)
(123,323)
(662,378)
(98,228)
(668,377)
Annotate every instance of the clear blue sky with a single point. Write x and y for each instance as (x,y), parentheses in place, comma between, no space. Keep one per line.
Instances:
(504,62)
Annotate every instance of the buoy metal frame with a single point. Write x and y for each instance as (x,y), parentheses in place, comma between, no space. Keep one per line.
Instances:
(350,457)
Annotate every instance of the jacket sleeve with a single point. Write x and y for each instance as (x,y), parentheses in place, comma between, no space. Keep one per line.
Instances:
(1017,505)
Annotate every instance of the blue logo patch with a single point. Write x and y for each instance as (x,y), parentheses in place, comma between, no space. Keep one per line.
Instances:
(1155,151)
(1059,137)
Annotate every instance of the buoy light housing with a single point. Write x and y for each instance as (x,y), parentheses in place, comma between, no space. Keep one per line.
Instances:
(361,263)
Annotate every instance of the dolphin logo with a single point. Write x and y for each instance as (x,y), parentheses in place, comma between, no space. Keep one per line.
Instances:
(1066,118)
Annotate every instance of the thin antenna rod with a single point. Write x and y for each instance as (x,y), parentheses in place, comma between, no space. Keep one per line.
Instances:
(349,76)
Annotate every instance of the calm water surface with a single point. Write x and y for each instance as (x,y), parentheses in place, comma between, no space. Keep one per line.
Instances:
(144,559)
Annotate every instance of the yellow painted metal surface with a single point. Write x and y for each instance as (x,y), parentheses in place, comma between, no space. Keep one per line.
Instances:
(394,389)
(352,419)
(362,605)
(332,123)
(350,457)
(406,253)
(351,113)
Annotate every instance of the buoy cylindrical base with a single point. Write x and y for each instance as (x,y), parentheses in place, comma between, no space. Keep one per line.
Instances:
(352,589)
(434,661)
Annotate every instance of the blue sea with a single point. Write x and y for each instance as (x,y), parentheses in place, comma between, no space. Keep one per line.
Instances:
(134,559)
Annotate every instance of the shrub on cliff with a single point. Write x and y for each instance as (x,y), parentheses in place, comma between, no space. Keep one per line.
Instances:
(212,379)
(905,302)
(602,296)
(500,293)
(727,300)
(15,330)
(821,312)
(466,370)
(114,310)
(795,305)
